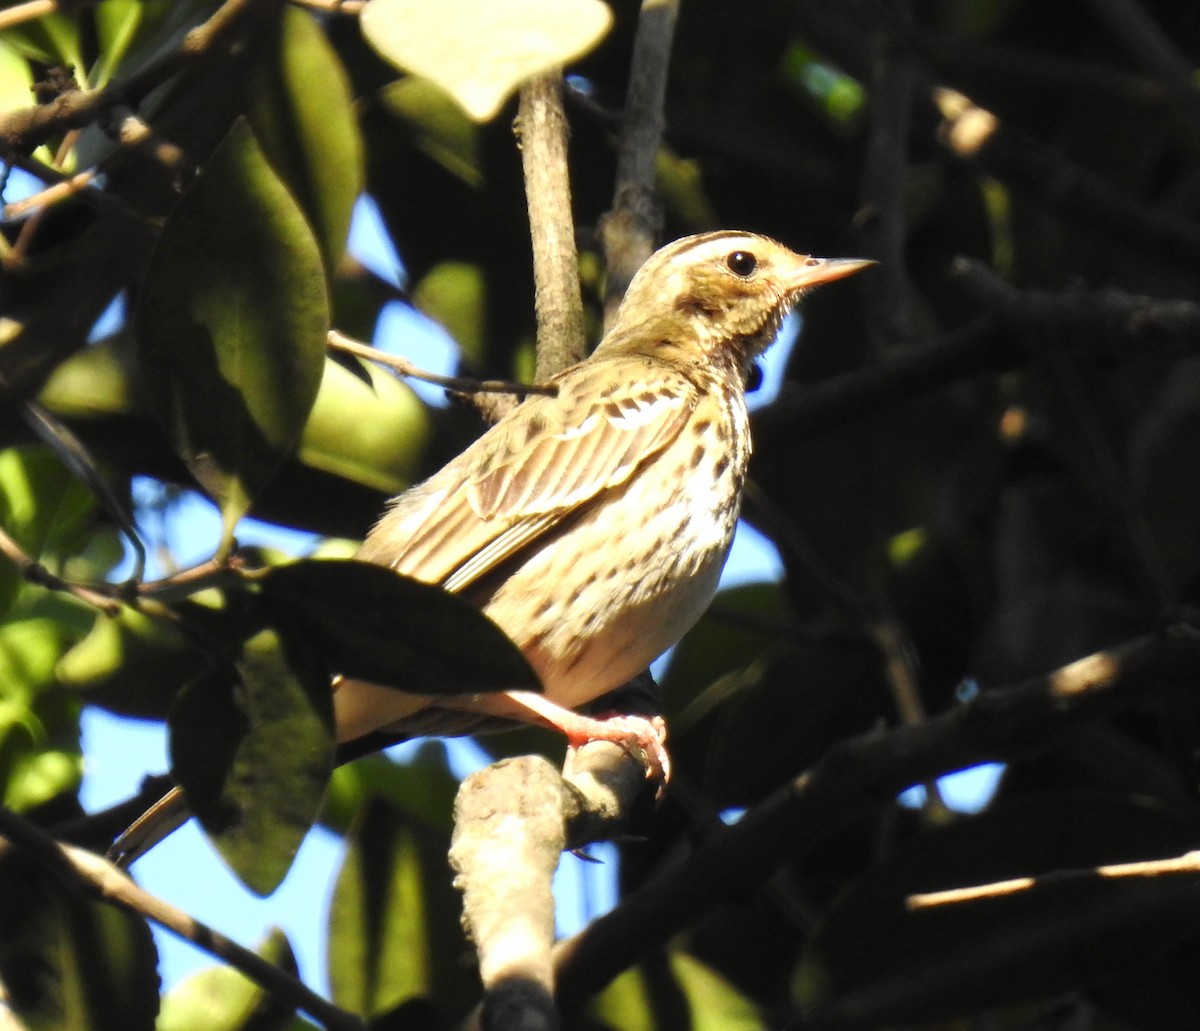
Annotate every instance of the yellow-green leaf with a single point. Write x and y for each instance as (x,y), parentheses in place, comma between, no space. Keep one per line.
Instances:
(481,51)
(303,114)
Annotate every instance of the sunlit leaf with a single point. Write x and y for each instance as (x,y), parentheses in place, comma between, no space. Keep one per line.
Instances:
(39,725)
(304,118)
(232,324)
(381,446)
(394,921)
(372,432)
(479,51)
(455,294)
(132,663)
(711,1002)
(219,998)
(252,748)
(117,23)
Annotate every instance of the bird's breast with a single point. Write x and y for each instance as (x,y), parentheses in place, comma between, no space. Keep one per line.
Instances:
(623,581)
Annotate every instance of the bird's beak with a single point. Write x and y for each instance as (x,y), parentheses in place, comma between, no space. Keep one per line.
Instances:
(816,271)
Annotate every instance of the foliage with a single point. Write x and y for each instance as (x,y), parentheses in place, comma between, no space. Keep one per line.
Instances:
(977,472)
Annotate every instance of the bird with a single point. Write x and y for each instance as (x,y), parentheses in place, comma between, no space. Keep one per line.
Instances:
(591,524)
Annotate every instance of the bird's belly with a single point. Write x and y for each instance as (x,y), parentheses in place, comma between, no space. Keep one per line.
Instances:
(618,586)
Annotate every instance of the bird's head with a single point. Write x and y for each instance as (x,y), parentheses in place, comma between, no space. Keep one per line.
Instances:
(717,292)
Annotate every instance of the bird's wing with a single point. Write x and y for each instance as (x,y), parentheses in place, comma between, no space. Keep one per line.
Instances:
(531,470)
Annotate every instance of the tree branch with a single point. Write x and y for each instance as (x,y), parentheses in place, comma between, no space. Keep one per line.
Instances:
(91,876)
(24,129)
(630,230)
(1101,323)
(542,127)
(1188,863)
(865,773)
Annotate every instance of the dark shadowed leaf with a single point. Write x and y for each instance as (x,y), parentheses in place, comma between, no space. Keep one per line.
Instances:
(394,930)
(67,962)
(252,748)
(377,625)
(874,963)
(232,324)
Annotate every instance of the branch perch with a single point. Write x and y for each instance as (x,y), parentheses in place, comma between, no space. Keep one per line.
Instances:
(869,771)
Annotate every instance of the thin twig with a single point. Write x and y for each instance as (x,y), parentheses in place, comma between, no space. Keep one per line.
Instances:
(36,573)
(1188,863)
(26,128)
(28,11)
(54,194)
(349,7)
(883,215)
(94,877)
(56,435)
(463,384)
(1144,38)
(542,127)
(630,230)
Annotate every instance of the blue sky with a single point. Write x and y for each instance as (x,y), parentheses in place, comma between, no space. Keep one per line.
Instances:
(185,869)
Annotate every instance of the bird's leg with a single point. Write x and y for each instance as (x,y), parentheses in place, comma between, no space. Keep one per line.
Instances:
(646,733)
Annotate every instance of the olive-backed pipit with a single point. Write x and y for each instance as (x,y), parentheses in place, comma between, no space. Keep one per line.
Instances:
(591,526)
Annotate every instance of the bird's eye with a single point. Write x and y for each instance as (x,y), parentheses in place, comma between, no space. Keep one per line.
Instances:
(741,263)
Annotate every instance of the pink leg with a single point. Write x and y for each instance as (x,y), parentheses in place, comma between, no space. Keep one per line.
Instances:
(647,733)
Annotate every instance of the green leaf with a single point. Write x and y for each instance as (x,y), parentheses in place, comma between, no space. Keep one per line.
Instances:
(423,788)
(39,725)
(132,663)
(479,51)
(394,930)
(303,115)
(67,962)
(389,629)
(711,1003)
(42,504)
(52,39)
(92,382)
(232,325)
(381,446)
(220,998)
(15,79)
(252,748)
(117,23)
(380,443)
(438,126)
(455,294)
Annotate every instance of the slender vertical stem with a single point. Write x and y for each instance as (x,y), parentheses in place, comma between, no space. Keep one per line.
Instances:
(630,230)
(543,134)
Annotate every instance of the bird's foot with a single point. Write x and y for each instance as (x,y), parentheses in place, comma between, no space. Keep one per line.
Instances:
(648,734)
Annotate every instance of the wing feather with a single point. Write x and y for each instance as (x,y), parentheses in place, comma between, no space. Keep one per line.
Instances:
(530,471)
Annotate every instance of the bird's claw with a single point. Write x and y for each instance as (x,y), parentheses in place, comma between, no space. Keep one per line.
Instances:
(648,734)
